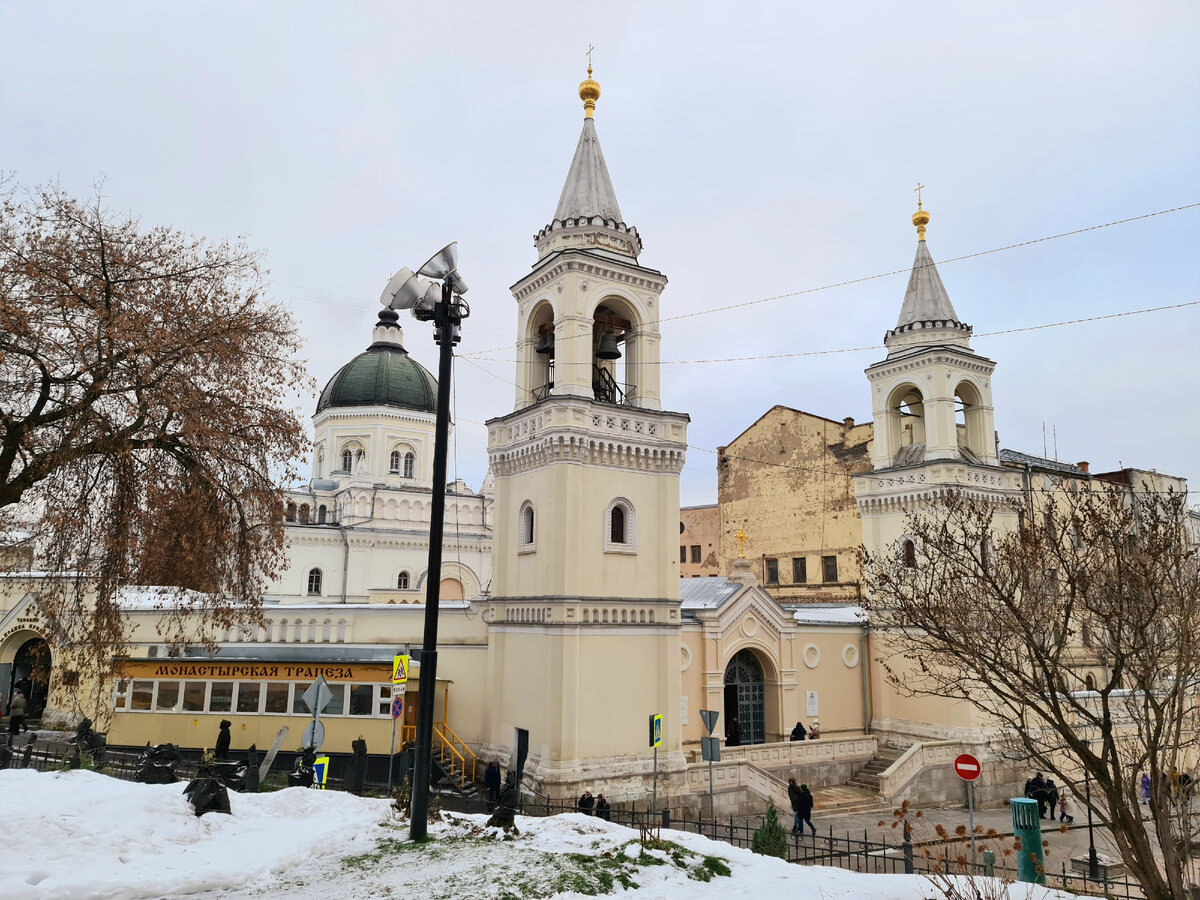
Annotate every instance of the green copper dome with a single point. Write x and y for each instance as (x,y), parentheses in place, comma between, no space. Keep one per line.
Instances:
(385,375)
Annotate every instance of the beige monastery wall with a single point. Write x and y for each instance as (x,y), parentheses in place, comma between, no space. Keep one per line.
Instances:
(784,481)
(699,541)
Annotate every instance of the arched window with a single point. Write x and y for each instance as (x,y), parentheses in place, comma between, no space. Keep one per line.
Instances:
(525,528)
(616,525)
(909,554)
(290,512)
(620,527)
(322,512)
(314,581)
(360,459)
(402,581)
(347,460)
(303,513)
(410,462)
(394,463)
(1089,682)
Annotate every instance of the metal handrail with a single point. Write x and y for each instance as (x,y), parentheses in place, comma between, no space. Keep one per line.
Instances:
(453,738)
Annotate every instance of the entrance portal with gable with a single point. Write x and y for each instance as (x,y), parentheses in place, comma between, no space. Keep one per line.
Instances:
(745,696)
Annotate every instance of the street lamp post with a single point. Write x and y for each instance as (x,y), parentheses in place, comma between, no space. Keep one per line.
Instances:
(1093,860)
(443,305)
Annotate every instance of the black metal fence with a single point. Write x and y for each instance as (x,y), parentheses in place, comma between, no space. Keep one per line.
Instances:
(866,855)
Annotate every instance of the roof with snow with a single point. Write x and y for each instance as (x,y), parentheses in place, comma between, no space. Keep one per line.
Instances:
(706,593)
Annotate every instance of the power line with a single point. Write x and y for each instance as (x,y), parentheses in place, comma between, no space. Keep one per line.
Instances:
(769,356)
(865,278)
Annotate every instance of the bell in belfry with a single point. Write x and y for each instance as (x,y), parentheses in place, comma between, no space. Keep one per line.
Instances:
(609,348)
(545,344)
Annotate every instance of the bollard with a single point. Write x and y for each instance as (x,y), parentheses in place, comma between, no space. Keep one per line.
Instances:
(666,818)
(989,863)
(908,850)
(1027,826)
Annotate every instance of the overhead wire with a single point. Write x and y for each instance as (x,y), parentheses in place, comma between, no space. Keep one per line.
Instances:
(888,274)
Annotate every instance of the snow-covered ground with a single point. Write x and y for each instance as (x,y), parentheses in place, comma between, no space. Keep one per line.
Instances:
(84,835)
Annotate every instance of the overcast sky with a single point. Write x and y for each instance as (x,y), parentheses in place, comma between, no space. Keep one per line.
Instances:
(760,149)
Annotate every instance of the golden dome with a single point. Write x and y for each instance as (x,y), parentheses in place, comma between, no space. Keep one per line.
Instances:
(589,93)
(920,219)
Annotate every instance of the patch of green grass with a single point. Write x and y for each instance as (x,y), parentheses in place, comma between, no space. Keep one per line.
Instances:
(717,866)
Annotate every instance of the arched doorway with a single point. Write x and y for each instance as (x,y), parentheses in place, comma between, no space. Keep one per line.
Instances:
(31,675)
(744,696)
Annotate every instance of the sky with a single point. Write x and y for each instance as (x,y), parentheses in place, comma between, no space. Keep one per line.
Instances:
(760,149)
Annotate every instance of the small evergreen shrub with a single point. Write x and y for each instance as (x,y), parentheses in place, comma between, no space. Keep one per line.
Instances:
(770,839)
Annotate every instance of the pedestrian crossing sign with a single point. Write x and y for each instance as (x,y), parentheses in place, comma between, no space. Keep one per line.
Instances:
(656,730)
(321,770)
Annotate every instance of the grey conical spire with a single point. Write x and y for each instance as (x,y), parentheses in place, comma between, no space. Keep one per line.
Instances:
(588,190)
(926,299)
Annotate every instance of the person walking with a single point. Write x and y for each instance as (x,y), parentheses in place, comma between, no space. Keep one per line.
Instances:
(815,731)
(804,809)
(799,732)
(491,780)
(794,799)
(16,713)
(1064,807)
(1037,789)
(1145,787)
(1051,797)
(603,811)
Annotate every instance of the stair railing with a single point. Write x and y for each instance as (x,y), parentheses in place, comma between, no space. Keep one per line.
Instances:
(458,749)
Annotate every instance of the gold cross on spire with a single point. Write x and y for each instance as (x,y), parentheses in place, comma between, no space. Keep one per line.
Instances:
(589,56)
(920,187)
(740,537)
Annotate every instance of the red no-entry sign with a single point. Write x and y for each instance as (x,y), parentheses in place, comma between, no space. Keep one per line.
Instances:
(967,767)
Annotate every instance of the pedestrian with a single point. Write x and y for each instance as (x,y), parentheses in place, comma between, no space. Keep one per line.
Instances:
(1064,807)
(799,732)
(586,803)
(222,748)
(491,780)
(1145,787)
(805,808)
(1051,797)
(815,731)
(733,734)
(603,811)
(794,799)
(16,713)
(1037,788)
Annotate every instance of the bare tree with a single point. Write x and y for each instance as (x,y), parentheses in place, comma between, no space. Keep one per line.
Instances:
(1079,638)
(145,408)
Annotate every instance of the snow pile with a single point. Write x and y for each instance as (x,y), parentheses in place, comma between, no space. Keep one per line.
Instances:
(81,834)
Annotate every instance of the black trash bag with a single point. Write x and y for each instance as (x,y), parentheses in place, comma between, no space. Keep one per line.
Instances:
(157,764)
(231,774)
(305,773)
(252,764)
(87,741)
(356,773)
(207,794)
(6,753)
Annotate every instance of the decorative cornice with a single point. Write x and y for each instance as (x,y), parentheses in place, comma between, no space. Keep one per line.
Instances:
(578,262)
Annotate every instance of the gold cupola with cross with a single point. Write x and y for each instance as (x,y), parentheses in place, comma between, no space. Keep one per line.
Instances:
(584,636)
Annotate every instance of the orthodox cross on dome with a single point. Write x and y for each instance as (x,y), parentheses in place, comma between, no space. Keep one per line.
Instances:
(589,56)
(920,217)
(920,187)
(740,537)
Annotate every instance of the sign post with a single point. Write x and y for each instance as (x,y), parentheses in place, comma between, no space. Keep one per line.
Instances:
(316,698)
(655,740)
(399,686)
(968,769)
(710,750)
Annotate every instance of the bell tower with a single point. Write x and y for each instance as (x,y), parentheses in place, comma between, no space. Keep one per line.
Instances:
(584,617)
(934,421)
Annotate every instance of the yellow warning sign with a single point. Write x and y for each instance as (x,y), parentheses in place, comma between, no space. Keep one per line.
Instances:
(400,669)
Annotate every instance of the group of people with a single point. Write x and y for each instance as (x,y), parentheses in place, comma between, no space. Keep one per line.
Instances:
(1050,799)
(802,805)
(800,733)
(598,806)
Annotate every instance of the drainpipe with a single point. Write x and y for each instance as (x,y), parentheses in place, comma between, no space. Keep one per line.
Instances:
(345,558)
(863,660)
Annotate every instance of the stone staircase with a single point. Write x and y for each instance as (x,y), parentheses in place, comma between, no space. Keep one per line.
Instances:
(867,778)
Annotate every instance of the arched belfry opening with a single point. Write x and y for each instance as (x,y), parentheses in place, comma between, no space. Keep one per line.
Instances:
(745,697)
(614,352)
(540,351)
(906,425)
(969,421)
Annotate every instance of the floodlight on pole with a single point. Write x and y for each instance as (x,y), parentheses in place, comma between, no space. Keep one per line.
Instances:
(443,305)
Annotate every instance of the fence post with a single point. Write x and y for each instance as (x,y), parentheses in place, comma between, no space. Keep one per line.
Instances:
(989,863)
(908,850)
(666,817)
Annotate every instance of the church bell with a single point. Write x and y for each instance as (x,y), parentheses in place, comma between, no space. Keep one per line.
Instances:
(545,344)
(608,347)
